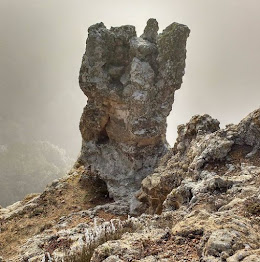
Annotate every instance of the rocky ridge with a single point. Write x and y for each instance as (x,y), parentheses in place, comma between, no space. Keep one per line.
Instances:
(201,204)
(201,201)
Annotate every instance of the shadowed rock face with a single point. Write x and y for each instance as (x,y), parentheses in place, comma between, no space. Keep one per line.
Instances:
(130,83)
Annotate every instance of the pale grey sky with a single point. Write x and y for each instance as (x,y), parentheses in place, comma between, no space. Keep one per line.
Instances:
(42,43)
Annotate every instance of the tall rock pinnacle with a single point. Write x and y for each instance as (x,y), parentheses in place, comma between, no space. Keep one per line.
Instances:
(130,83)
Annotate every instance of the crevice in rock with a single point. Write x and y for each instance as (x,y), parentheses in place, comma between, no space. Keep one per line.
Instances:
(97,187)
(103,136)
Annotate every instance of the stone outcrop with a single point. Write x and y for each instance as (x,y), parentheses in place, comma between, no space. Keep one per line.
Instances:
(208,188)
(130,83)
(200,144)
(205,192)
(175,166)
(200,203)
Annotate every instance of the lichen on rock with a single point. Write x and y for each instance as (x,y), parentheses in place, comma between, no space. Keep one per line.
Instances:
(130,83)
(200,200)
(200,144)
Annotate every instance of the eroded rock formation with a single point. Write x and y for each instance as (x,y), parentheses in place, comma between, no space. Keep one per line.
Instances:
(201,202)
(130,83)
(187,171)
(205,192)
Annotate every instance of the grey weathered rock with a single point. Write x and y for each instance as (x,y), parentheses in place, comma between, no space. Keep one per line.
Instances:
(113,259)
(245,256)
(176,165)
(200,144)
(150,31)
(121,247)
(130,83)
(250,131)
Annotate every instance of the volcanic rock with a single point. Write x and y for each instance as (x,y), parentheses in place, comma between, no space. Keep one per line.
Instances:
(130,83)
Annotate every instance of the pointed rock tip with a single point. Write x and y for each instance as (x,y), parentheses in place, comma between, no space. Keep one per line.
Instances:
(151,30)
(96,27)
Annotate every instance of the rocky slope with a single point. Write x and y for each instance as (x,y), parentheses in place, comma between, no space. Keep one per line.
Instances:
(200,200)
(201,204)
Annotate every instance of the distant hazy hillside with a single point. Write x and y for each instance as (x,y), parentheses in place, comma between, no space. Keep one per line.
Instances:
(29,167)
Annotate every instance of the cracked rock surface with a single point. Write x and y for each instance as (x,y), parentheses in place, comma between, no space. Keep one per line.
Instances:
(130,83)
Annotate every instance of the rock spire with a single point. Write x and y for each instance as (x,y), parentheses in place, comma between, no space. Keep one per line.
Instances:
(130,83)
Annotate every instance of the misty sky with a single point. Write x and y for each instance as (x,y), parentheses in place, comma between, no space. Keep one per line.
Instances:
(42,43)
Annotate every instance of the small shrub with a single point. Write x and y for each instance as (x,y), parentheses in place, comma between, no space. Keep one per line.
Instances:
(45,227)
(99,235)
(83,256)
(252,206)
(36,212)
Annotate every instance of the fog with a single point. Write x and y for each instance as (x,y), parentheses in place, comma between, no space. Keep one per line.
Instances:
(42,43)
